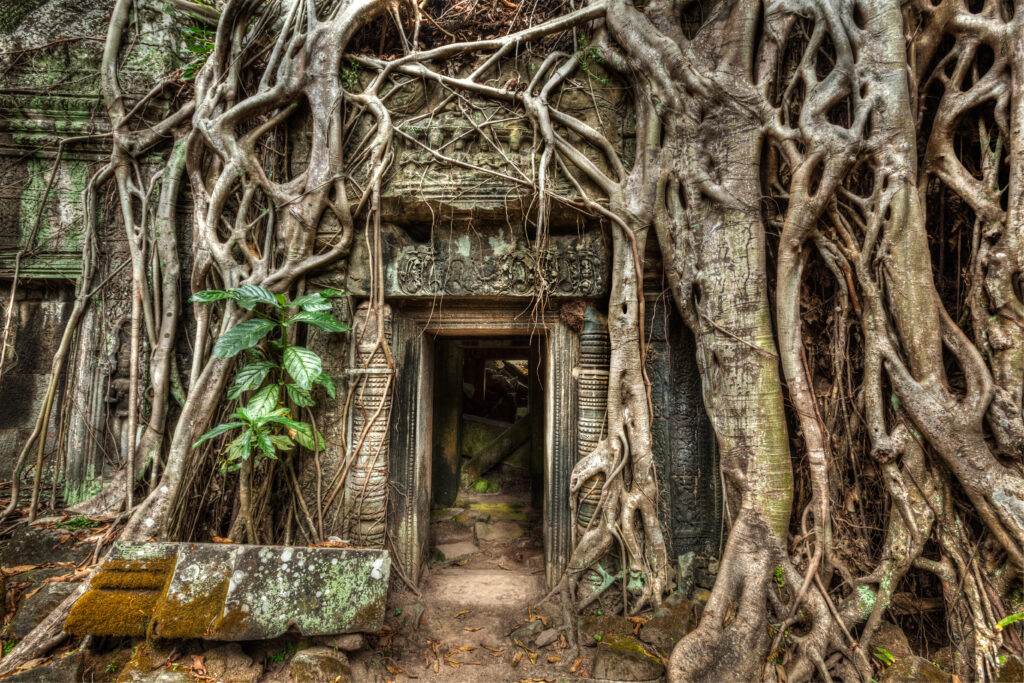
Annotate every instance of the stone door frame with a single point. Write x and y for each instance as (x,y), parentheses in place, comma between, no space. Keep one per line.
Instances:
(415,327)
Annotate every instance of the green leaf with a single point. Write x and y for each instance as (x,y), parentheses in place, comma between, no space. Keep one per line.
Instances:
(241,447)
(217,431)
(313,302)
(281,420)
(263,402)
(331,292)
(208,295)
(282,442)
(1010,619)
(242,336)
(266,445)
(298,395)
(249,296)
(325,380)
(250,377)
(304,436)
(302,364)
(320,319)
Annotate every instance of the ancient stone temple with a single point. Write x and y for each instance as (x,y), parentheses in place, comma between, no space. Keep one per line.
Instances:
(498,335)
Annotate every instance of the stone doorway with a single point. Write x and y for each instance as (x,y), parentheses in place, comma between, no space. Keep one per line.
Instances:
(486,533)
(427,425)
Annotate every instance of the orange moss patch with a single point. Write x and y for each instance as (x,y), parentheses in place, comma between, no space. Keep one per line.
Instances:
(111,613)
(193,619)
(134,574)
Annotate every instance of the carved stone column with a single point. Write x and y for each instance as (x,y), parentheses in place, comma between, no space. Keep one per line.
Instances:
(595,349)
(366,485)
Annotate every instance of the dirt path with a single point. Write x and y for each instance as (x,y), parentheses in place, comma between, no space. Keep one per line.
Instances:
(486,574)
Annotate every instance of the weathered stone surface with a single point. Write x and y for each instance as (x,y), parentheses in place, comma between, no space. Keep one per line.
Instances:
(320,665)
(591,626)
(892,639)
(347,642)
(670,622)
(456,551)
(498,531)
(230,664)
(32,545)
(915,670)
(528,633)
(233,592)
(68,667)
(1011,671)
(547,637)
(470,262)
(34,608)
(626,659)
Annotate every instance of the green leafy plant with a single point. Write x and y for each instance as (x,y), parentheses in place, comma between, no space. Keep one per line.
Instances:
(350,76)
(289,649)
(199,42)
(780,579)
(111,666)
(586,54)
(8,645)
(884,656)
(280,371)
(1010,619)
(78,523)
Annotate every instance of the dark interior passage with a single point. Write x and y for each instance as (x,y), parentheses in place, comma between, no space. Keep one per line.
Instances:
(487,474)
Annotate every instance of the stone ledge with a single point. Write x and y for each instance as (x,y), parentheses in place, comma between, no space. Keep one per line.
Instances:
(233,592)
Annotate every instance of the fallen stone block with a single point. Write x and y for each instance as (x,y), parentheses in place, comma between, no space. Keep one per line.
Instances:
(67,667)
(230,664)
(456,551)
(498,531)
(626,659)
(595,628)
(35,607)
(232,592)
(320,665)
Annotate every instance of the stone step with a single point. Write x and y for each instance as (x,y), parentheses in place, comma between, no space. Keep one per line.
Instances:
(450,552)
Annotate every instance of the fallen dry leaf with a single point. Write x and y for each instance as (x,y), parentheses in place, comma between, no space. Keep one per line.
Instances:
(218,539)
(518,657)
(466,648)
(394,670)
(576,664)
(198,665)
(554,659)
(462,613)
(471,629)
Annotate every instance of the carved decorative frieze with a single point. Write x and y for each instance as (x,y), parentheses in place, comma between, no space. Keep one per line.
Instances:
(469,263)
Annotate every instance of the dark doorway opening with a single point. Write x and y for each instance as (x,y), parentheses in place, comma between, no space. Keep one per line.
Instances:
(487,470)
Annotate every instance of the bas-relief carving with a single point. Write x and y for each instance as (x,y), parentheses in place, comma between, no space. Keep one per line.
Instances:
(475,264)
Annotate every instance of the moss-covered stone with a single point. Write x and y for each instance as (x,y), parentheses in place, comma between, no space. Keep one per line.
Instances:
(624,658)
(594,629)
(915,670)
(233,592)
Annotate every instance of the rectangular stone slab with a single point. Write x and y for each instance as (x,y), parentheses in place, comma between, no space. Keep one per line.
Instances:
(234,592)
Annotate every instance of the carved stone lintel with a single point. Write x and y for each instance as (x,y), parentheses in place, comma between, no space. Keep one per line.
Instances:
(466,263)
